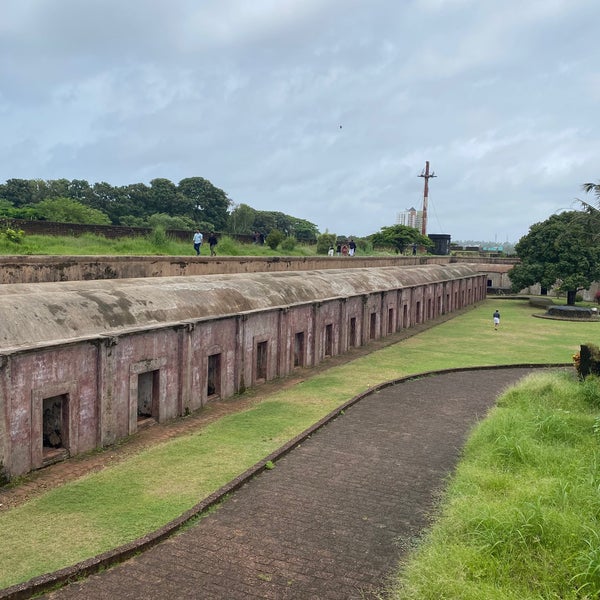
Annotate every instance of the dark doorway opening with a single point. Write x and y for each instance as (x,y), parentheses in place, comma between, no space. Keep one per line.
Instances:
(329,340)
(352,333)
(299,349)
(261,361)
(213,378)
(373,326)
(147,397)
(55,429)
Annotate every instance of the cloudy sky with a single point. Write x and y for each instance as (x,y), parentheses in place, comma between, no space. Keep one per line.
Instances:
(323,109)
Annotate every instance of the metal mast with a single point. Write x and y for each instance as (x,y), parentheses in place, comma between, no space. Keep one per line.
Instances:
(426,175)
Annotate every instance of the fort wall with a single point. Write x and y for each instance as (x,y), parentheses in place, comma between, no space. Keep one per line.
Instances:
(84,364)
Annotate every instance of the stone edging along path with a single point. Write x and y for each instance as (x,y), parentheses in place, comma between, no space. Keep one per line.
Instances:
(97,563)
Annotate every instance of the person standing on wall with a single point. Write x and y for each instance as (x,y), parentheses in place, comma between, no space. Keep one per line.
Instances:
(212,242)
(496,320)
(197,242)
(352,247)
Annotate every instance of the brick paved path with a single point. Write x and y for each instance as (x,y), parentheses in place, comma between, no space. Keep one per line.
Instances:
(333,517)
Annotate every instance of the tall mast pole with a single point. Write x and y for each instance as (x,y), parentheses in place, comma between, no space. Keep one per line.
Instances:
(426,175)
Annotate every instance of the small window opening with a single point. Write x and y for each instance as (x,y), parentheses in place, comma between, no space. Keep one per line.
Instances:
(213,379)
(299,349)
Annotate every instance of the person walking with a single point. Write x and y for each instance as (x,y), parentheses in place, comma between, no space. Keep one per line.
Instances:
(212,242)
(197,242)
(351,247)
(496,320)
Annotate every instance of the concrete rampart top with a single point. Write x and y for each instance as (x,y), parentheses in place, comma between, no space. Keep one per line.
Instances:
(43,313)
(40,269)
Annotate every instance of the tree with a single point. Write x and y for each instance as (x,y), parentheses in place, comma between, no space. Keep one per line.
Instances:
(80,190)
(206,202)
(66,210)
(592,213)
(6,208)
(17,191)
(163,197)
(241,219)
(592,188)
(559,252)
(131,201)
(304,231)
(399,237)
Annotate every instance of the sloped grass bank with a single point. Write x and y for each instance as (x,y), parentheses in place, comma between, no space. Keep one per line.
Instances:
(520,519)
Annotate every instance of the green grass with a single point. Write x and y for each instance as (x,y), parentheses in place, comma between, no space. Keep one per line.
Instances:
(520,519)
(153,244)
(125,501)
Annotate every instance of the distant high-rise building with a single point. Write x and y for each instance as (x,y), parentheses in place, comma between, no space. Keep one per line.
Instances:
(411,217)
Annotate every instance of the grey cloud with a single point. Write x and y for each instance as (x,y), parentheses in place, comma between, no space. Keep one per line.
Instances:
(500,97)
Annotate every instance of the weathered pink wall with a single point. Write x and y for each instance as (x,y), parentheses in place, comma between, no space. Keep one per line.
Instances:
(50,372)
(100,375)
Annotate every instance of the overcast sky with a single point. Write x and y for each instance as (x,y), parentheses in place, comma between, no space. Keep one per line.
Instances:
(323,109)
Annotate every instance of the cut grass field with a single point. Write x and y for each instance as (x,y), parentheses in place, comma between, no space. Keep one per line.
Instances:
(123,502)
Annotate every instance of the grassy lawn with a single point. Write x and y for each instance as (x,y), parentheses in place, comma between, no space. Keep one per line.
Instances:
(123,502)
(520,518)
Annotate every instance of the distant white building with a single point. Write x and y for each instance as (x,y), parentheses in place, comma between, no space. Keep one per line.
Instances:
(411,217)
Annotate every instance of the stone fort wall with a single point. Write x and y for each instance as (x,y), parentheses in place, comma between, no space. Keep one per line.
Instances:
(84,364)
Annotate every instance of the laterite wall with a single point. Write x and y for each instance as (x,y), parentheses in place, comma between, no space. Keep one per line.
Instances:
(86,363)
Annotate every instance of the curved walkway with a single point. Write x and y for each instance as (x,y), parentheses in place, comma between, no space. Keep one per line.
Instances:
(335,515)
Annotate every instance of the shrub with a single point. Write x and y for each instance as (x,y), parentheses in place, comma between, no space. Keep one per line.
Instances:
(158,238)
(364,245)
(13,235)
(325,241)
(169,222)
(289,243)
(274,238)
(67,210)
